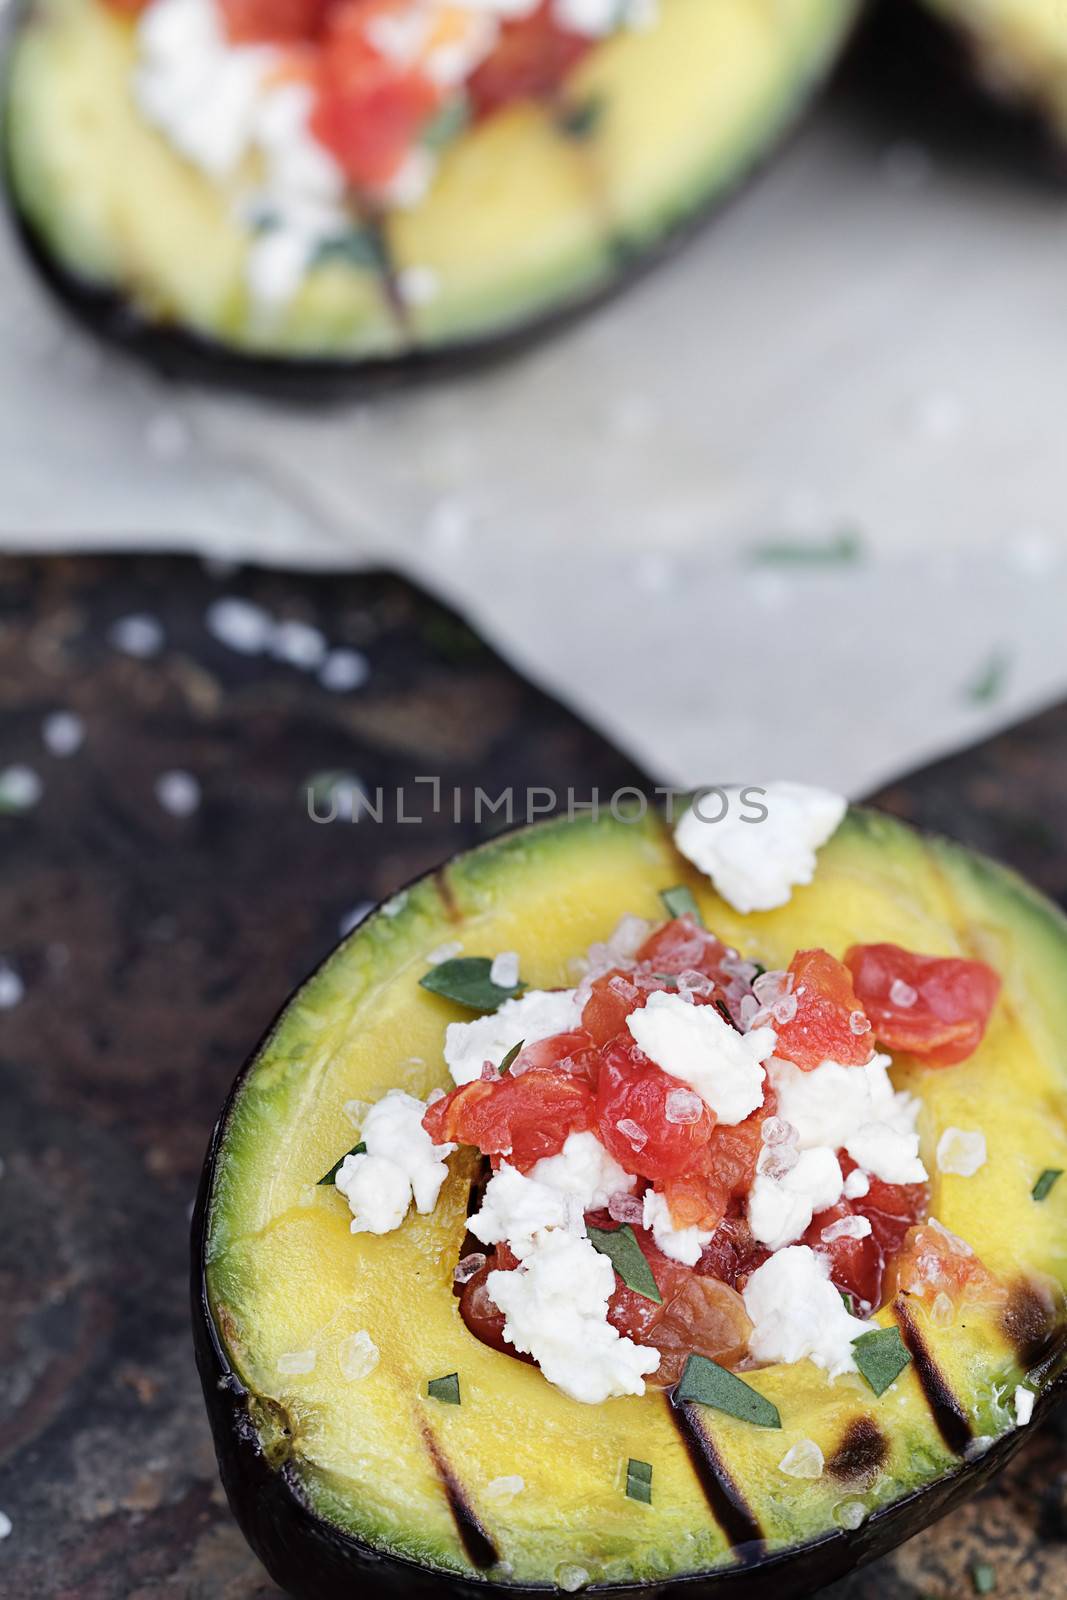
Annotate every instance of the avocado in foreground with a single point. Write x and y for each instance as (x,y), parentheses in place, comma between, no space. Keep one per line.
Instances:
(367,1436)
(407,223)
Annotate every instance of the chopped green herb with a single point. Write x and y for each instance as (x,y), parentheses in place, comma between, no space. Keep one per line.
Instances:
(509,1059)
(848,1302)
(680,902)
(452,119)
(707,1384)
(841,549)
(626,1256)
(881,1357)
(360,247)
(983,1577)
(467,981)
(359,1149)
(639,1481)
(1046,1183)
(445,1389)
(988,682)
(581,120)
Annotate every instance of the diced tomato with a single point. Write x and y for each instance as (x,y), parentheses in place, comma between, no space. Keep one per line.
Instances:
(723,1171)
(523,1117)
(732,1253)
(634,1114)
(934,1262)
(532,57)
(618,993)
(370,130)
(572,1052)
(632,1313)
(482,1316)
(829,1023)
(682,945)
(933,1007)
(272,21)
(858,1266)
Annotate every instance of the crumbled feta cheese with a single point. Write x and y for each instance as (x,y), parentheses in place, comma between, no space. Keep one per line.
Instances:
(681,1244)
(584,1169)
(535,1015)
(755,863)
(504,970)
(401,1163)
(780,1209)
(855,1109)
(1024,1405)
(803,1460)
(796,1312)
(63,733)
(514,1207)
(296,1363)
(358,1356)
(961,1152)
(857,1184)
(693,1043)
(555,1305)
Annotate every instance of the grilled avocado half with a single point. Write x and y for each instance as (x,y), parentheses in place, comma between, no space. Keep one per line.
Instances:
(377,1486)
(533,212)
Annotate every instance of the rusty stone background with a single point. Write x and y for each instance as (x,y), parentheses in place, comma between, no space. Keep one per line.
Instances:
(152,948)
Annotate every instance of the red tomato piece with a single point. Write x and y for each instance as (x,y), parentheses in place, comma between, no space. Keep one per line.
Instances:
(934,1262)
(615,995)
(532,57)
(371,128)
(634,1114)
(859,1266)
(723,1171)
(829,1023)
(522,1117)
(732,1254)
(682,945)
(572,1052)
(933,1007)
(272,21)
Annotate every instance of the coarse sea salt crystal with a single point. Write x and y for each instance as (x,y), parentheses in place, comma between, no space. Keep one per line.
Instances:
(858,1024)
(633,1132)
(626,1208)
(570,1577)
(902,994)
(506,1487)
(802,1460)
(850,1514)
(684,1106)
(296,1363)
(961,1152)
(469,1267)
(358,1356)
(1023,1401)
(847,1228)
(504,970)
(444,952)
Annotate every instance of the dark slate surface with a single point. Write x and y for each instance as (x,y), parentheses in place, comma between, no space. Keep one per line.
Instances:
(153,948)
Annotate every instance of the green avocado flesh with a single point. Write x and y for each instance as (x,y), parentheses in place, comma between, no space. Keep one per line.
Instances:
(1020,48)
(524,217)
(285,1276)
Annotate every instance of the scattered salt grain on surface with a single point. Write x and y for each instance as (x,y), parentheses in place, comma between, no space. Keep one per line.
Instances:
(138,635)
(802,1460)
(178,793)
(961,1152)
(63,733)
(847,1228)
(1024,1405)
(633,1132)
(418,286)
(850,1513)
(343,670)
(12,988)
(296,1363)
(942,1312)
(684,1106)
(299,644)
(626,1208)
(444,952)
(356,1111)
(504,970)
(352,919)
(858,1024)
(358,1356)
(5,1525)
(570,1577)
(20,789)
(468,1268)
(902,994)
(239,625)
(505,1488)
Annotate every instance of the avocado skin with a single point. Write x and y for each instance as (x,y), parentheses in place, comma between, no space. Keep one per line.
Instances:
(312,1560)
(180,354)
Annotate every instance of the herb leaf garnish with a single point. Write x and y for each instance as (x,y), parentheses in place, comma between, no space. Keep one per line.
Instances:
(1046,1183)
(445,1389)
(626,1256)
(359,1149)
(467,981)
(639,1481)
(509,1060)
(681,902)
(881,1357)
(707,1384)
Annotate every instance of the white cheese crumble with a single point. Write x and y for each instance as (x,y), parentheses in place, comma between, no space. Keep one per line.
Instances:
(680,1244)
(796,1312)
(961,1152)
(857,1185)
(535,1015)
(780,1208)
(1023,1401)
(803,1460)
(693,1043)
(358,1356)
(504,970)
(585,1170)
(401,1164)
(555,1306)
(756,863)
(515,1207)
(854,1109)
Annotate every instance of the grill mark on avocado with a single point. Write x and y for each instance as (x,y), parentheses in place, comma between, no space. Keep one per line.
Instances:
(446,895)
(1029,1324)
(861,1454)
(481,1550)
(728,1505)
(952,1421)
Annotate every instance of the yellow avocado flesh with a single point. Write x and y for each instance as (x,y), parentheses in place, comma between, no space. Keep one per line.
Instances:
(522,218)
(285,1275)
